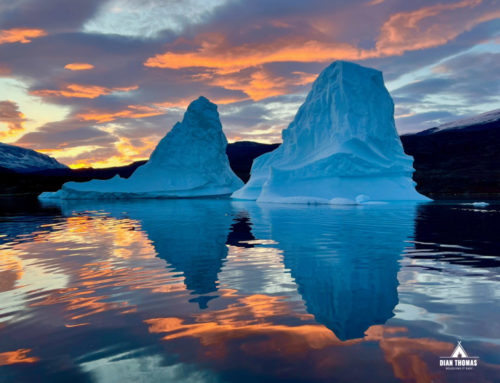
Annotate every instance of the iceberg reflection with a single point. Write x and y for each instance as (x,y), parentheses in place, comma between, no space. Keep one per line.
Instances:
(189,234)
(343,260)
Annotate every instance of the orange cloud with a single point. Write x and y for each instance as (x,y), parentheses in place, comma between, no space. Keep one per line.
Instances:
(231,59)
(123,152)
(11,116)
(128,152)
(423,28)
(78,66)
(18,356)
(20,35)
(132,111)
(81,91)
(142,111)
(263,84)
(4,70)
(405,31)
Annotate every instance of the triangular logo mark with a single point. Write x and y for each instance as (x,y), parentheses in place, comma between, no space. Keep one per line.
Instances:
(459,351)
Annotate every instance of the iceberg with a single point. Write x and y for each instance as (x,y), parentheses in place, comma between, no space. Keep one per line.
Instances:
(341,148)
(190,161)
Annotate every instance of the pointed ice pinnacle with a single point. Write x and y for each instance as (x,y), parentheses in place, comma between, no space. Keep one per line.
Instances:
(190,161)
(342,146)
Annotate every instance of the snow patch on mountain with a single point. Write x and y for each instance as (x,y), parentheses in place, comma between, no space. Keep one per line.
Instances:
(480,119)
(26,160)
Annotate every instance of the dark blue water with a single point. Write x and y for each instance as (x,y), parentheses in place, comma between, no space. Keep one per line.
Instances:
(224,291)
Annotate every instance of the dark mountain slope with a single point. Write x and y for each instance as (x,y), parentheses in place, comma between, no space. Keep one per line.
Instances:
(460,162)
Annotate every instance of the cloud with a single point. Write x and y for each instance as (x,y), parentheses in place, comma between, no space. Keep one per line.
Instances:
(225,59)
(78,66)
(132,111)
(64,135)
(425,88)
(11,116)
(20,35)
(260,83)
(88,158)
(259,121)
(472,77)
(150,17)
(220,61)
(458,88)
(374,2)
(49,15)
(4,70)
(419,29)
(81,91)
(430,26)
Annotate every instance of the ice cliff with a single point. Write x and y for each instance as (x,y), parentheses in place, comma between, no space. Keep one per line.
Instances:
(341,147)
(190,161)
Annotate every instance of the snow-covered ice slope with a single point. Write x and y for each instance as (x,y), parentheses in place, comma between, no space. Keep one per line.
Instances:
(190,161)
(341,147)
(26,160)
(481,119)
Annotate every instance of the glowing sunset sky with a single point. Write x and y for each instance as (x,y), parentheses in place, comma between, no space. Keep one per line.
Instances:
(94,82)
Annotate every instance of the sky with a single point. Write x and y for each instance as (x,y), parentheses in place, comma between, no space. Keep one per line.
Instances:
(100,82)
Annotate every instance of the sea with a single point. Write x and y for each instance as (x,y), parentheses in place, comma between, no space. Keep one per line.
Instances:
(217,290)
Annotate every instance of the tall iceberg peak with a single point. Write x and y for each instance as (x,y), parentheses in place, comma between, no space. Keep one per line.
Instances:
(341,147)
(190,161)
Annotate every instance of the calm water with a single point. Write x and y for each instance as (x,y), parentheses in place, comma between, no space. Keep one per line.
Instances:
(221,291)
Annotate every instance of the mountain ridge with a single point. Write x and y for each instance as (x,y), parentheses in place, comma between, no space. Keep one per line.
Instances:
(25,160)
(456,160)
